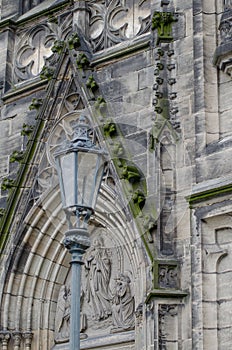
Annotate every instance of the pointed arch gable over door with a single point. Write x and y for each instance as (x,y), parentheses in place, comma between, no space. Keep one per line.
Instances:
(40,268)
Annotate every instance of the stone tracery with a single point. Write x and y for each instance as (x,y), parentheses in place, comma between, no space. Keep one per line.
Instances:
(110,22)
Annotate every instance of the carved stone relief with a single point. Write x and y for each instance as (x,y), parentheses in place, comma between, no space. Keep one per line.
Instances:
(20,340)
(4,339)
(62,325)
(73,102)
(114,21)
(63,313)
(168,276)
(107,297)
(227,4)
(139,315)
(46,174)
(97,264)
(123,305)
(226,26)
(168,326)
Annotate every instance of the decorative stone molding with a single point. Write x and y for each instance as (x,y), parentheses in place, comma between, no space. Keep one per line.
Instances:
(37,47)
(27,340)
(4,338)
(30,57)
(107,294)
(139,314)
(29,4)
(17,337)
(228,4)
(223,53)
(102,15)
(166,275)
(168,325)
(162,21)
(103,18)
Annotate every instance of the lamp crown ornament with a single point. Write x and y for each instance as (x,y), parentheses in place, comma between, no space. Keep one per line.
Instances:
(82,134)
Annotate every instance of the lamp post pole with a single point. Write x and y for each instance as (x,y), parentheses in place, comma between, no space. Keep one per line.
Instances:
(76,241)
(80,166)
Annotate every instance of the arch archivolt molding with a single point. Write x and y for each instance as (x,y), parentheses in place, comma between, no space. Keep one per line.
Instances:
(41,269)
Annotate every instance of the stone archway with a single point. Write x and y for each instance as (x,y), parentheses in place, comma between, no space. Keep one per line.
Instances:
(40,268)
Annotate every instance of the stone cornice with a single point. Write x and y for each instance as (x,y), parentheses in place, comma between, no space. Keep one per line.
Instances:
(14,20)
(122,49)
(210,189)
(166,293)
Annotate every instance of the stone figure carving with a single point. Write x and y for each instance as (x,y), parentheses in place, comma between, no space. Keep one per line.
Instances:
(63,314)
(123,305)
(168,276)
(228,4)
(98,271)
(225,30)
(139,314)
(63,322)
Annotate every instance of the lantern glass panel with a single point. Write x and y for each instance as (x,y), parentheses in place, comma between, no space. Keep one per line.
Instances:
(89,175)
(67,165)
(80,174)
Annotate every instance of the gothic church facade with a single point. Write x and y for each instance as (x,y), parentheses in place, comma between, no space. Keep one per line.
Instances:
(153,78)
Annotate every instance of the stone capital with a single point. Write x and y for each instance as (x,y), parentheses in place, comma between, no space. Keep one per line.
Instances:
(4,338)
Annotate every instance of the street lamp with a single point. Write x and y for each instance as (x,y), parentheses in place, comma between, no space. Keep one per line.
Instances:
(80,166)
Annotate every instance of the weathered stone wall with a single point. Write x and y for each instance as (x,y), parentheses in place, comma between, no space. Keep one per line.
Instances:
(154,79)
